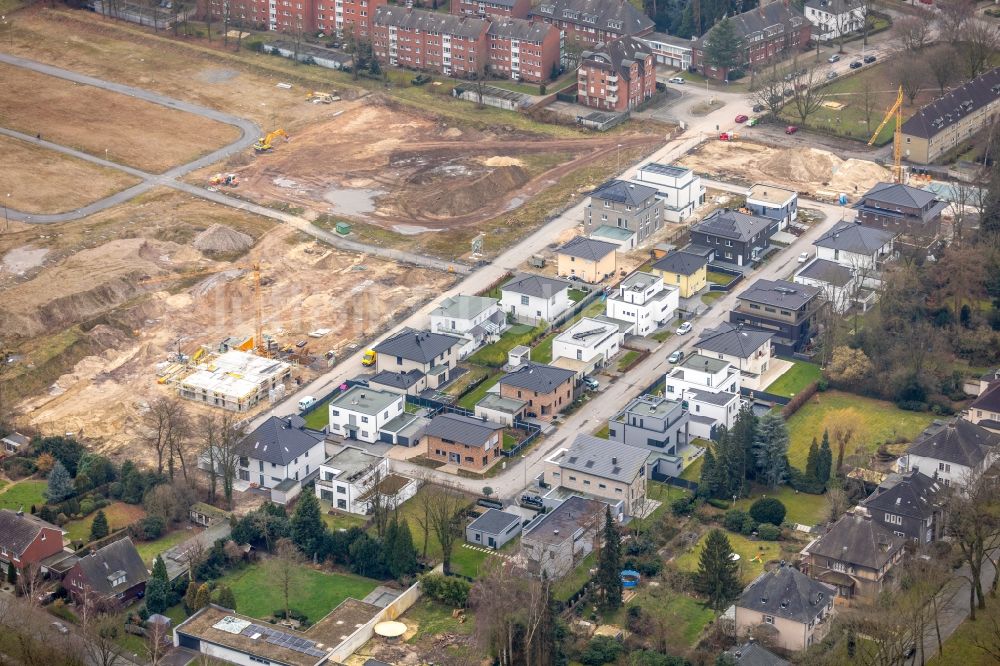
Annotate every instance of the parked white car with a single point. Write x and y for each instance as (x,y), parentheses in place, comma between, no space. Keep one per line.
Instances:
(678,80)
(684,328)
(804,257)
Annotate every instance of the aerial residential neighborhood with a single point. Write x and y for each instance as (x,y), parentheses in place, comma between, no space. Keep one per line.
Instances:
(513,333)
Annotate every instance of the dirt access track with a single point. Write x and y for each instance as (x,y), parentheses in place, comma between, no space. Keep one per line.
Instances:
(410,172)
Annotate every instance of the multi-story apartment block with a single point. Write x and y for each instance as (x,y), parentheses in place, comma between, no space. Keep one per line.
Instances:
(492,8)
(617,76)
(833,18)
(522,50)
(451,45)
(624,205)
(673,52)
(593,21)
(351,17)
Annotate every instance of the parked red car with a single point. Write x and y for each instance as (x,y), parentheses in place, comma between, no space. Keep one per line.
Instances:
(791,129)
(741,118)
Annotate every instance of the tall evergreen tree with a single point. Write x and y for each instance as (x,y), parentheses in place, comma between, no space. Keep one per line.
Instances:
(824,463)
(609,566)
(403,554)
(708,484)
(744,439)
(771,450)
(60,484)
(226,597)
(812,461)
(307,525)
(722,50)
(717,577)
(158,588)
(99,528)
(191,597)
(202,598)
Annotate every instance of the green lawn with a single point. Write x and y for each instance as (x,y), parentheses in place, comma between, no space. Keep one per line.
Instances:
(150,549)
(410,511)
(471,375)
(566,587)
(875,421)
(341,521)
(119,515)
(801,507)
(319,418)
(23,494)
(795,379)
(603,431)
(747,549)
(719,278)
(576,295)
(509,441)
(711,297)
(542,352)
(693,471)
(316,593)
(433,619)
(466,561)
(960,648)
(662,335)
(684,617)
(469,400)
(627,359)
(495,355)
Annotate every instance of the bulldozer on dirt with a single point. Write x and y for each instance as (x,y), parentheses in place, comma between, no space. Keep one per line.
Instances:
(227,179)
(264,144)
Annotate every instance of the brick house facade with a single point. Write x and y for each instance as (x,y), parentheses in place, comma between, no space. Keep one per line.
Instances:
(26,539)
(547,390)
(417,39)
(464,441)
(110,577)
(618,76)
(522,50)
(287,16)
(351,16)
(593,21)
(496,9)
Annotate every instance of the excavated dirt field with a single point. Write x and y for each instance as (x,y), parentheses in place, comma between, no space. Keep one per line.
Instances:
(808,170)
(410,172)
(91,334)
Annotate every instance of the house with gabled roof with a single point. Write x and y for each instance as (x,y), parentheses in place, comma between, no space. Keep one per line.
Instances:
(735,237)
(955,450)
(837,283)
(425,40)
(112,576)
(588,259)
(794,610)
(494,9)
(985,409)
(908,504)
(478,320)
(464,441)
(593,21)
(546,389)
(14,444)
(433,354)
(856,246)
(27,540)
(280,455)
(752,654)
(748,349)
(624,205)
(911,212)
(687,271)
(534,298)
(617,76)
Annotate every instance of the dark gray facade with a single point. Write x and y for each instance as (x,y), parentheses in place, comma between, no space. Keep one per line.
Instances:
(624,205)
(736,238)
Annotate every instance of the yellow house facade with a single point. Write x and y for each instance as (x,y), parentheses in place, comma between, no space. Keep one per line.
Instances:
(588,259)
(685,270)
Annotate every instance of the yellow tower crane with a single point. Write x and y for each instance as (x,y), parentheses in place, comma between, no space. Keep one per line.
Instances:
(894,112)
(258,340)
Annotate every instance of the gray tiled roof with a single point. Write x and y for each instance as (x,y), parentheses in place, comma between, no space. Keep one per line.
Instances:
(17,532)
(604,458)
(427,21)
(17,438)
(463,307)
(618,56)
(278,441)
(515,28)
(896,194)
(417,346)
(121,557)
(855,238)
(760,19)
(400,380)
(834,6)
(779,293)
(540,286)
(858,540)
(598,14)
(827,271)
(988,400)
(733,340)
(462,429)
(788,593)
(955,441)
(587,248)
(732,224)
(537,377)
(753,654)
(495,521)
(622,191)
(681,262)
(910,494)
(957,103)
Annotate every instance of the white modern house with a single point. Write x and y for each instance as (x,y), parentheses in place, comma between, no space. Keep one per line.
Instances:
(361,412)
(837,282)
(280,454)
(679,188)
(861,248)
(644,301)
(955,450)
(535,298)
(748,349)
(833,18)
(477,320)
(775,203)
(591,342)
(350,478)
(710,389)
(668,50)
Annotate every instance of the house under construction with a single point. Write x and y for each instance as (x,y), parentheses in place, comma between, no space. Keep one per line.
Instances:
(235,380)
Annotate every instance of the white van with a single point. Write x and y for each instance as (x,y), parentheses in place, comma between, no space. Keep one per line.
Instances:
(306,402)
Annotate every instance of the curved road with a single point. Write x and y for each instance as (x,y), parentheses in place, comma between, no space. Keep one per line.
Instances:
(249,132)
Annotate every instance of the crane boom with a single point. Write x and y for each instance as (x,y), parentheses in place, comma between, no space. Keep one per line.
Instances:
(894,112)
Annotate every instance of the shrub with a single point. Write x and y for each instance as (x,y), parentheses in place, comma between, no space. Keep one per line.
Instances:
(768,510)
(822,384)
(682,506)
(115,490)
(912,405)
(151,527)
(601,650)
(18,468)
(768,532)
(748,526)
(718,503)
(87,507)
(733,520)
(446,589)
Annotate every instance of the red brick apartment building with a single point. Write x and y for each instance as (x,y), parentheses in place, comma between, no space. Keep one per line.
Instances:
(765,33)
(593,21)
(492,8)
(353,16)
(287,16)
(445,43)
(522,50)
(618,76)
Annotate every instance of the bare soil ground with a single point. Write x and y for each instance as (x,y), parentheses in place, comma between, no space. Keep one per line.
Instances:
(53,183)
(137,133)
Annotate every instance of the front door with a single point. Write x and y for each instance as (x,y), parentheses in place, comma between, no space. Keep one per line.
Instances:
(455,458)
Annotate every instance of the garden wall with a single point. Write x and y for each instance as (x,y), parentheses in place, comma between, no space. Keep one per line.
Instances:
(364,633)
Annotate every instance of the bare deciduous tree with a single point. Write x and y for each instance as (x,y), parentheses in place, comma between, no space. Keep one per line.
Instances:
(943,66)
(769,90)
(100,633)
(952,16)
(980,41)
(446,505)
(807,95)
(912,32)
(912,77)
(283,571)
(166,425)
(972,518)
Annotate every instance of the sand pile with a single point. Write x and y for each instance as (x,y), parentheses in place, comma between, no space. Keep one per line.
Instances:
(808,165)
(502,161)
(858,175)
(220,238)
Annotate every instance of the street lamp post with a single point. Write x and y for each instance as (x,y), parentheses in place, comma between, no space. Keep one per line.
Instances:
(524,463)
(619,158)
(6,221)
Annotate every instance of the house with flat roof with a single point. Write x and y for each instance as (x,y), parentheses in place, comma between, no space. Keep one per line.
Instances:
(588,259)
(796,609)
(643,300)
(911,212)
(787,309)
(623,238)
(493,529)
(836,283)
(685,270)
(360,412)
(608,470)
(350,480)
(110,577)
(235,380)
(281,454)
(590,341)
(658,424)
(556,542)
(954,451)
(478,320)
(748,349)
(909,505)
(433,354)
(547,389)
(535,298)
(498,409)
(630,206)
(680,189)
(710,389)
(735,237)
(464,441)
(774,203)
(670,51)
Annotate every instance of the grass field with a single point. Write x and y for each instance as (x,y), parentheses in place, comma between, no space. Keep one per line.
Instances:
(542,352)
(875,421)
(434,619)
(626,359)
(119,515)
(719,278)
(150,549)
(23,494)
(712,297)
(341,521)
(409,511)
(693,471)
(566,587)
(319,418)
(747,550)
(495,355)
(960,648)
(469,400)
(684,617)
(801,507)
(466,561)
(576,295)
(663,335)
(316,593)
(795,379)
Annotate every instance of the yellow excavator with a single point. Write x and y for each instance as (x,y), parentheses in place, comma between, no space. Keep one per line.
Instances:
(264,144)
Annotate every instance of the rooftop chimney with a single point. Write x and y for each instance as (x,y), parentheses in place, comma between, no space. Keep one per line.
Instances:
(614,461)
